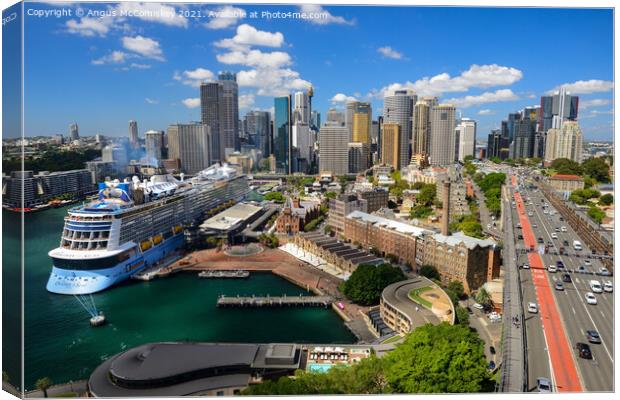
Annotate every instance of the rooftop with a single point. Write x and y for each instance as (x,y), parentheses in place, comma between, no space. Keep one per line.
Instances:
(389,224)
(459,237)
(230,217)
(566,177)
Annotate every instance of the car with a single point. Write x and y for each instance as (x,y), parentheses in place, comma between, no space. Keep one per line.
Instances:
(559,286)
(596,286)
(566,278)
(552,268)
(540,240)
(593,336)
(545,212)
(554,235)
(581,269)
(491,365)
(478,306)
(525,266)
(557,229)
(518,226)
(565,243)
(531,214)
(532,308)
(563,229)
(603,271)
(559,264)
(543,385)
(587,262)
(591,298)
(583,349)
(520,237)
(491,349)
(608,287)
(562,219)
(534,226)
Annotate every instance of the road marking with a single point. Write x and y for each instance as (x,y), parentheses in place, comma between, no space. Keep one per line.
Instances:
(602,313)
(574,312)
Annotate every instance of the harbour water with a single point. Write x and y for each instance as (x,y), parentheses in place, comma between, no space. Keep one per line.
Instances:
(62,345)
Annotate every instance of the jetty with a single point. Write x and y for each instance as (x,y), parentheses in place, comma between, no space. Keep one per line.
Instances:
(235,273)
(275,301)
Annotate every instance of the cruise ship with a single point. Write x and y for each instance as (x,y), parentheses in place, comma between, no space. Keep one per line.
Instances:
(133,224)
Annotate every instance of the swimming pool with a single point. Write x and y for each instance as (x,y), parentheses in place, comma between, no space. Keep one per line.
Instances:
(313,367)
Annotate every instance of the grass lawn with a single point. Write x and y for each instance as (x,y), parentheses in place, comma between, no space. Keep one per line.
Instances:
(393,339)
(415,296)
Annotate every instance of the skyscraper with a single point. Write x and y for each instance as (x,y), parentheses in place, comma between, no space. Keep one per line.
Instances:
(282,132)
(360,127)
(390,144)
(74,133)
(466,138)
(333,148)
(133,134)
(494,143)
(334,115)
(229,123)
(421,125)
(189,143)
(398,109)
(555,109)
(566,142)
(315,120)
(442,141)
(523,142)
(358,157)
(154,142)
(258,127)
(211,110)
(301,112)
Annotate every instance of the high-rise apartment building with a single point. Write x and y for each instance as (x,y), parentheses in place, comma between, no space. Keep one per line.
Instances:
(133,134)
(523,142)
(421,125)
(465,136)
(555,109)
(398,109)
(442,137)
(333,148)
(390,144)
(315,120)
(189,143)
(282,134)
(358,157)
(74,133)
(229,123)
(301,112)
(494,143)
(211,110)
(566,142)
(154,143)
(258,127)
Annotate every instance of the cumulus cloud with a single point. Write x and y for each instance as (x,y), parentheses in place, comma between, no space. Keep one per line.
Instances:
(484,98)
(224,17)
(272,82)
(256,58)
(191,102)
(153,12)
(342,98)
(320,16)
(585,87)
(115,57)
(248,35)
(139,66)
(144,46)
(477,76)
(585,104)
(246,101)
(486,111)
(389,52)
(89,27)
(194,77)
(151,101)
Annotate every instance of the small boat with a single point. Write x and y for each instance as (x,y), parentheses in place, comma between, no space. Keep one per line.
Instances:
(97,320)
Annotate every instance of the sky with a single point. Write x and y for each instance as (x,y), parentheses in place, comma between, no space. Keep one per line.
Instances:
(145,61)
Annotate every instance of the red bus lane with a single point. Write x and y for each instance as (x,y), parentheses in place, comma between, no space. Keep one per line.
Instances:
(560,352)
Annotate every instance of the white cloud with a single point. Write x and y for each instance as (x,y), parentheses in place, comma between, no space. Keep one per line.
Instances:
(151,101)
(153,12)
(246,101)
(144,46)
(477,76)
(320,16)
(486,111)
(585,104)
(89,27)
(231,45)
(139,66)
(194,77)
(248,35)
(342,98)
(484,98)
(272,82)
(585,87)
(191,103)
(389,52)
(256,58)
(224,17)
(115,57)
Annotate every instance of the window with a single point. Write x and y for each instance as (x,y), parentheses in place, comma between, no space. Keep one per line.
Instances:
(220,393)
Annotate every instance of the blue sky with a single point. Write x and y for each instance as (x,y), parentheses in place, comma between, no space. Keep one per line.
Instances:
(103,71)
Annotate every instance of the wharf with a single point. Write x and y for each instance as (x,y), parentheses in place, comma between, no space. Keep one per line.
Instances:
(236,273)
(275,301)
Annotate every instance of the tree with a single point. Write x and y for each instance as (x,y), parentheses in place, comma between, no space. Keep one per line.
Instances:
(468,158)
(596,214)
(483,297)
(597,168)
(366,283)
(430,272)
(420,211)
(496,160)
(427,195)
(606,199)
(566,166)
(43,384)
(462,316)
(277,197)
(457,288)
(330,195)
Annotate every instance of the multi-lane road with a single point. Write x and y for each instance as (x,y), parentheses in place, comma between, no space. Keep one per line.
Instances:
(575,317)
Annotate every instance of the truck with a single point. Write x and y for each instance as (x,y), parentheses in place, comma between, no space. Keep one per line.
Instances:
(577,245)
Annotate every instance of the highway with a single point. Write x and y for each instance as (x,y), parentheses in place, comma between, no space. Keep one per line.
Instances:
(575,314)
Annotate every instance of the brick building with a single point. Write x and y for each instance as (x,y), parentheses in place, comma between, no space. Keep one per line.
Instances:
(296,214)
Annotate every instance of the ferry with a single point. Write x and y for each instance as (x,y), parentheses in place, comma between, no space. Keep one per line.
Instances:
(131,225)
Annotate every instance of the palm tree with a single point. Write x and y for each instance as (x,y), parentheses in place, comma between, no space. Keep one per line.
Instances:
(483,297)
(44,384)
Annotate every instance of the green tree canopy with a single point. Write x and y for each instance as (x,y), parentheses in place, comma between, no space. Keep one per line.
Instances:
(43,384)
(606,199)
(430,272)
(596,214)
(366,283)
(483,297)
(597,168)
(275,196)
(462,316)
(566,166)
(427,195)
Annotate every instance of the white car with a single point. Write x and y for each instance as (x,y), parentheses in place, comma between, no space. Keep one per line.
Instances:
(552,268)
(596,286)
(608,286)
(526,266)
(532,308)
(591,298)
(563,229)
(603,271)
(587,262)
(531,214)
(554,235)
(478,306)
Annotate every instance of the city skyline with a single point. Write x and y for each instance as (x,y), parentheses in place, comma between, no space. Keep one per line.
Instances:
(149,70)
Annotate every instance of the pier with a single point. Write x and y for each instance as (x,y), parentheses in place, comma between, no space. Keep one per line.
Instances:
(235,273)
(275,301)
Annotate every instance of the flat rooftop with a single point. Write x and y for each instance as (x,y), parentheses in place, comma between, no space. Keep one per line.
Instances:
(231,217)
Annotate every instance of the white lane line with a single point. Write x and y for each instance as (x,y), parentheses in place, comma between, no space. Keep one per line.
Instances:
(574,312)
(602,314)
